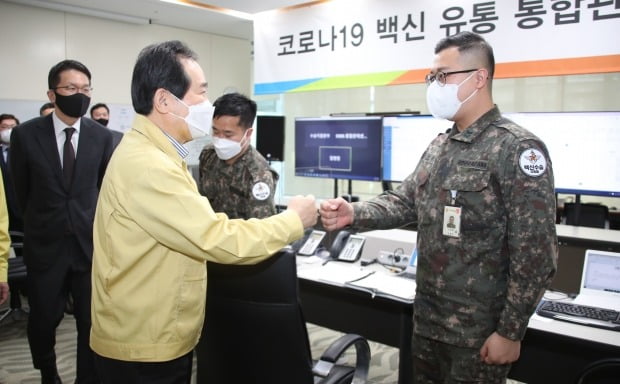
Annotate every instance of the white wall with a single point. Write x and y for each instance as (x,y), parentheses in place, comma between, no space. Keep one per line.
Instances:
(32,40)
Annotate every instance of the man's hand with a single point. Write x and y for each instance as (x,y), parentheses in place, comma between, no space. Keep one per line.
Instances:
(336,213)
(4,292)
(500,350)
(305,206)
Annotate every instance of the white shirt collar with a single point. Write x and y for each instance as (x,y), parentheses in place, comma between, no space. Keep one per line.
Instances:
(59,125)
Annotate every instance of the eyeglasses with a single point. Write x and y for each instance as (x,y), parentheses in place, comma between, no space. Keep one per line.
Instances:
(72,89)
(441,76)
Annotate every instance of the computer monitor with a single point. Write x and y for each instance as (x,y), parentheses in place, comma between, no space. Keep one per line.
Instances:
(270,136)
(405,138)
(338,147)
(584,148)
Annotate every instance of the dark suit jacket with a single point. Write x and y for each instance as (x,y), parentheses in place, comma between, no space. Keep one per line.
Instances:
(116,137)
(15,215)
(50,210)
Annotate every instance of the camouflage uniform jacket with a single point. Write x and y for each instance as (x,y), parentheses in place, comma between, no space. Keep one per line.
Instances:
(492,276)
(242,190)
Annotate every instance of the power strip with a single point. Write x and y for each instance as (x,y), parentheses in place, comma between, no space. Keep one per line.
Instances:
(393,260)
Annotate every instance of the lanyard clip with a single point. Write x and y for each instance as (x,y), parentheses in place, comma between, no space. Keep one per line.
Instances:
(453,195)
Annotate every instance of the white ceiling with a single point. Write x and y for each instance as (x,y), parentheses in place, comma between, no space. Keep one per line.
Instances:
(201,15)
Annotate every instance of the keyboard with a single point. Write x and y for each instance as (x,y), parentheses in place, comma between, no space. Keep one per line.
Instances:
(580,314)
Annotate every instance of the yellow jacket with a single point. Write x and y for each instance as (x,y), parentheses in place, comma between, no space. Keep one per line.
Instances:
(5,240)
(152,234)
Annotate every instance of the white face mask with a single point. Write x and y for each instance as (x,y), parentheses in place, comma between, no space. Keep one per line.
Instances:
(443,101)
(227,149)
(5,135)
(199,118)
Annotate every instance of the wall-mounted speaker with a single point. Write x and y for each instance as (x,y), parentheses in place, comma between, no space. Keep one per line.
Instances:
(270,137)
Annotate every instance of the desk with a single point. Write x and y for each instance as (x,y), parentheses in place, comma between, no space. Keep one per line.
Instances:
(573,242)
(548,343)
(347,310)
(555,351)
(592,237)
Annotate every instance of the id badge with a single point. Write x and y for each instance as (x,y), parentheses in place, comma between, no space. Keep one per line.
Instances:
(452,221)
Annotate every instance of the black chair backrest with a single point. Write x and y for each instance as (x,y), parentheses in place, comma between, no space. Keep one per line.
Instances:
(605,371)
(254,328)
(586,215)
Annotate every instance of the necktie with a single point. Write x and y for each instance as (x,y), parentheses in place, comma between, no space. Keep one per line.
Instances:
(68,157)
(5,155)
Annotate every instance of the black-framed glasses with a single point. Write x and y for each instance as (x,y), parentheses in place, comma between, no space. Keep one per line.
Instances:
(72,89)
(440,77)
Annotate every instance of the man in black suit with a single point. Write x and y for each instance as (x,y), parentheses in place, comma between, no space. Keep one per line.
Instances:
(57,162)
(101,114)
(46,109)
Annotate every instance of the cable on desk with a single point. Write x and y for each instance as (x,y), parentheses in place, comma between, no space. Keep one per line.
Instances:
(552,295)
(360,278)
(392,268)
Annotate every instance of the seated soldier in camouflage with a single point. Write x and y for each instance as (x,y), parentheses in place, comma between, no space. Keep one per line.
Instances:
(234,175)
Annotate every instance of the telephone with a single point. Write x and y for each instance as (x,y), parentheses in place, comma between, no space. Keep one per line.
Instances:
(347,247)
(311,243)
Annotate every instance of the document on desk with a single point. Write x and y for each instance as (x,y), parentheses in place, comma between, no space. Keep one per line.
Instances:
(332,273)
(382,284)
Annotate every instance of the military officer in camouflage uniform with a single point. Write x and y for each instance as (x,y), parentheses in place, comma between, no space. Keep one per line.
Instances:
(481,274)
(234,175)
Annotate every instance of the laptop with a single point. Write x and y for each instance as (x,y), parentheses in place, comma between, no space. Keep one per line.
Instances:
(600,280)
(598,301)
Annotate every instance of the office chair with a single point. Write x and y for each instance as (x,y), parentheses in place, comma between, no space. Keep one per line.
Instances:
(16,273)
(255,331)
(586,215)
(604,371)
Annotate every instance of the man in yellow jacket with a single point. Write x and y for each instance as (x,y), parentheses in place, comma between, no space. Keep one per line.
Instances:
(153,231)
(5,244)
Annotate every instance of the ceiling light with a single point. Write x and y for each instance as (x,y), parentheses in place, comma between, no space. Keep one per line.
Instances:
(226,11)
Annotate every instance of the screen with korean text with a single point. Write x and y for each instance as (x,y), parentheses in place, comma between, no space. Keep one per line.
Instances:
(338,147)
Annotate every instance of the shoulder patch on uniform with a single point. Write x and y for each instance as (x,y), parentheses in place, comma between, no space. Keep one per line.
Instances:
(532,162)
(261,191)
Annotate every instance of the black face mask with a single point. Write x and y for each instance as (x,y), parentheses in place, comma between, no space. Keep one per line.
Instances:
(75,105)
(103,122)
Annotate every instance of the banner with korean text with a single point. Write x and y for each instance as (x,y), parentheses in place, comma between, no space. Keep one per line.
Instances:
(353,43)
